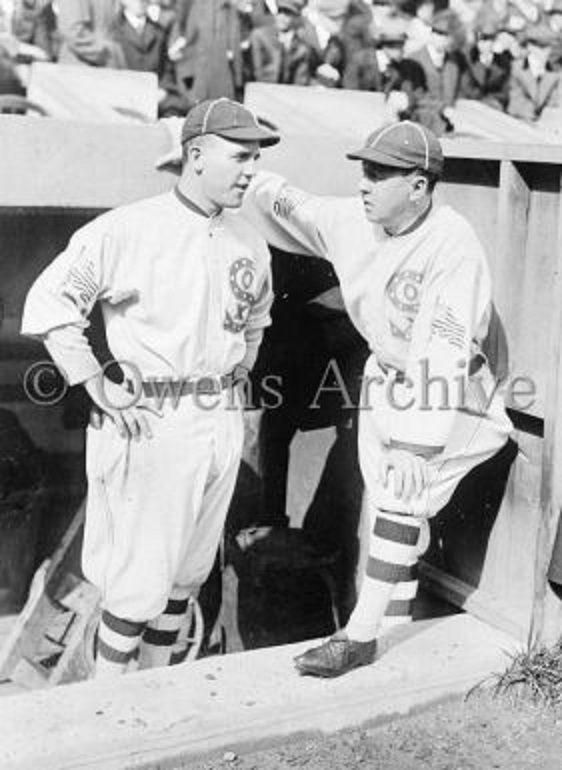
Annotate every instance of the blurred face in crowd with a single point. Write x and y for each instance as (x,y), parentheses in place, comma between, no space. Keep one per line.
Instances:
(537,57)
(556,22)
(223,168)
(284,20)
(485,47)
(425,12)
(440,42)
(135,7)
(391,195)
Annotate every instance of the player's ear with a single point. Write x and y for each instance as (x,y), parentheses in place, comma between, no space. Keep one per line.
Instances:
(196,158)
(419,187)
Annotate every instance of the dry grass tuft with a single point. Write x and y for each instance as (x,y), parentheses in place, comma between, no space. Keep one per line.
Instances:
(534,675)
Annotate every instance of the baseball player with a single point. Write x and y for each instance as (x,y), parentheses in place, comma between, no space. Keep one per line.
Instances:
(416,285)
(185,288)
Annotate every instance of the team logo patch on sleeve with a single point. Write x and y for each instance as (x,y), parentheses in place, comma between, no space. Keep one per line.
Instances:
(80,285)
(285,203)
(242,281)
(446,325)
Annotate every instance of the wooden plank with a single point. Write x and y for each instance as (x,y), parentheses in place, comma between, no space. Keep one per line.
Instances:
(94,94)
(306,111)
(485,122)
(480,603)
(38,611)
(83,166)
(543,626)
(518,153)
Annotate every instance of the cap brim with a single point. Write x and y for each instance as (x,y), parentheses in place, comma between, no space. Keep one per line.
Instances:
(264,137)
(375,156)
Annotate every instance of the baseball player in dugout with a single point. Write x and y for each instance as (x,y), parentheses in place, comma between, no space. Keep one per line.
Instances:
(416,285)
(184,285)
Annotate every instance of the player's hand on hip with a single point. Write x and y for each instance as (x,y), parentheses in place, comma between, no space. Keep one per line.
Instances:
(410,473)
(124,409)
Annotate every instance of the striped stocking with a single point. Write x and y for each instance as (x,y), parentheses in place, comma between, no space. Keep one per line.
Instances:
(117,644)
(390,582)
(161,634)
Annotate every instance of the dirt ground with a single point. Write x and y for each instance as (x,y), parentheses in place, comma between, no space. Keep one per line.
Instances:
(480,733)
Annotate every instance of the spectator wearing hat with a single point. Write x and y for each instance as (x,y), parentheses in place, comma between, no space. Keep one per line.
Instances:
(416,283)
(85,28)
(442,63)
(353,54)
(280,52)
(533,86)
(184,285)
(404,81)
(485,77)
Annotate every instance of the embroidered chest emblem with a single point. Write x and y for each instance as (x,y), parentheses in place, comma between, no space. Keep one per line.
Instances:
(242,282)
(403,291)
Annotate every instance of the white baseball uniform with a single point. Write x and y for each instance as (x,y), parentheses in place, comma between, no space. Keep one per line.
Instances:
(422,300)
(183,296)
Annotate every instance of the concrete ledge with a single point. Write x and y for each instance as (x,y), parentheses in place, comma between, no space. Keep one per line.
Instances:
(222,702)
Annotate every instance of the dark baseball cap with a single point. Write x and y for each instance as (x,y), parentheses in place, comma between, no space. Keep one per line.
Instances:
(405,145)
(228,119)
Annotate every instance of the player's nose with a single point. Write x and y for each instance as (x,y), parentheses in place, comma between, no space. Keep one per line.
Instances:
(364,185)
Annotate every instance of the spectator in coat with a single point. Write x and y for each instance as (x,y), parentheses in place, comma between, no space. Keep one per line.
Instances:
(280,53)
(85,27)
(485,77)
(142,41)
(554,15)
(182,47)
(533,86)
(442,64)
(36,23)
(352,57)
(214,29)
(144,44)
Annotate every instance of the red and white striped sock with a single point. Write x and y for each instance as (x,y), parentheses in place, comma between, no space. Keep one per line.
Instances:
(390,580)
(161,634)
(117,644)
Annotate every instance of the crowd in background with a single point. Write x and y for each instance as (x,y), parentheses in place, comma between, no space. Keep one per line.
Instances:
(422,54)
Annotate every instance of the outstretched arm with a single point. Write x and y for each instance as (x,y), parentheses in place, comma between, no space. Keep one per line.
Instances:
(290,218)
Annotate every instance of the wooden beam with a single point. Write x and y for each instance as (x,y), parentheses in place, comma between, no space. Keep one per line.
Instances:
(56,164)
(478,602)
(543,629)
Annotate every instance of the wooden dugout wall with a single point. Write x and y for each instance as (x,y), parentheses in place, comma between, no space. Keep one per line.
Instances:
(54,174)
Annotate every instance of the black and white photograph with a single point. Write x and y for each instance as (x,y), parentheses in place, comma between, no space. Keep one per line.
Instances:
(280,384)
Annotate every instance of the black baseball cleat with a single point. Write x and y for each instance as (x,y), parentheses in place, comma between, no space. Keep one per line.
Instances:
(336,656)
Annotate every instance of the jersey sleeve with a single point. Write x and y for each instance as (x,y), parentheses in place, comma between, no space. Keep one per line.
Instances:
(59,303)
(437,373)
(287,217)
